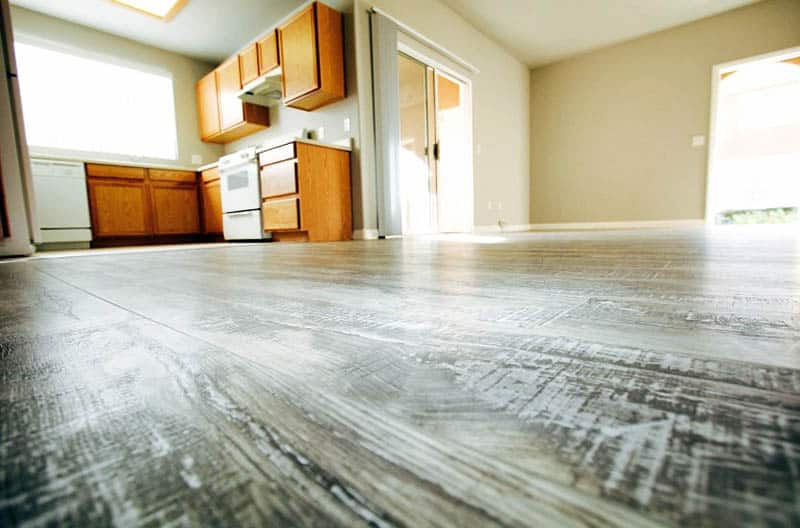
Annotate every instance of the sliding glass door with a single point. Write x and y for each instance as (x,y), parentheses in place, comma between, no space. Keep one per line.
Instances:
(435,163)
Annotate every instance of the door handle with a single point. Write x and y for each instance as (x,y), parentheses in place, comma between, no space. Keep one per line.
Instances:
(436,151)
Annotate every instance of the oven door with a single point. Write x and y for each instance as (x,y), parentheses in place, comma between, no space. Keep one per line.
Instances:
(240,187)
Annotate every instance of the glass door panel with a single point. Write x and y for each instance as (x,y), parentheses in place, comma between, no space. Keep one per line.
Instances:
(453,171)
(416,185)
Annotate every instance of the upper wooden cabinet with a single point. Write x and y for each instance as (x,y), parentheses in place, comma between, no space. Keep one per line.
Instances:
(248,64)
(229,82)
(222,116)
(312,57)
(207,106)
(310,50)
(268,57)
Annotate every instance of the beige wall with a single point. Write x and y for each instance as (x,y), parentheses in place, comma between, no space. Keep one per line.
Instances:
(500,101)
(185,73)
(611,129)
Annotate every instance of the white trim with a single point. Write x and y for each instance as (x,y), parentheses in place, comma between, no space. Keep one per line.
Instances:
(507,228)
(583,226)
(636,224)
(716,72)
(428,42)
(365,234)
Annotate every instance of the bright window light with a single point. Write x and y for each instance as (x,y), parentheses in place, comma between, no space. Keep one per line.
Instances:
(73,104)
(164,9)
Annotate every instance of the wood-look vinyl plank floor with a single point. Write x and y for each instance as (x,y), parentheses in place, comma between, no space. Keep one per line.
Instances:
(619,378)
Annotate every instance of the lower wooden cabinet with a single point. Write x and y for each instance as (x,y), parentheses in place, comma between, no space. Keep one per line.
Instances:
(306,197)
(212,202)
(119,208)
(175,209)
(134,202)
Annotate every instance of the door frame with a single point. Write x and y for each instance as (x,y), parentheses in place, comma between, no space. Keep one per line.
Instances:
(410,47)
(716,73)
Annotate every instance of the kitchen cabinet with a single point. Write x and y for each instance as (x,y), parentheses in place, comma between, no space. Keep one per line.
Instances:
(135,202)
(119,202)
(306,197)
(212,202)
(312,57)
(229,83)
(175,202)
(222,116)
(248,64)
(208,106)
(268,58)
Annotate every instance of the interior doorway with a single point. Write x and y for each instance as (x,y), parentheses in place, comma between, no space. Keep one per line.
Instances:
(754,159)
(435,154)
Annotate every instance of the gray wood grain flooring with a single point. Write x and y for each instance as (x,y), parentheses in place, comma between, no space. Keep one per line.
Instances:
(630,378)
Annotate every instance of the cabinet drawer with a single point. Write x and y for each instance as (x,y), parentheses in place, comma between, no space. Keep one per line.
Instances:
(281,214)
(279,178)
(115,171)
(275,155)
(173,175)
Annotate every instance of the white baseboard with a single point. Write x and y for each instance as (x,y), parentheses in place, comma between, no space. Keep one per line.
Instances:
(579,226)
(507,228)
(365,234)
(636,224)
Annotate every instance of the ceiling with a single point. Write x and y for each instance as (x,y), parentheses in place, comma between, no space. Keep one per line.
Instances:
(535,31)
(543,31)
(210,30)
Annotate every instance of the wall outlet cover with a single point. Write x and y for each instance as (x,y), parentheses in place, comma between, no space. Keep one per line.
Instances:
(347,124)
(197,159)
(698,140)
(320,133)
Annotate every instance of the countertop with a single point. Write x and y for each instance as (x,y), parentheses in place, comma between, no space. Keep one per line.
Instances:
(344,144)
(120,163)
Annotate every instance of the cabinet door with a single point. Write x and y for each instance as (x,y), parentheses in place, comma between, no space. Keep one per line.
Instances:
(248,64)
(175,209)
(212,208)
(298,52)
(268,53)
(229,83)
(119,208)
(207,106)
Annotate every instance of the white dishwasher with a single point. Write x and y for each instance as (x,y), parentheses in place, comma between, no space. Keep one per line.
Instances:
(62,204)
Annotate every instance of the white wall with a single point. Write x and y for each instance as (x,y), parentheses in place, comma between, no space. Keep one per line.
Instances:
(501,99)
(185,73)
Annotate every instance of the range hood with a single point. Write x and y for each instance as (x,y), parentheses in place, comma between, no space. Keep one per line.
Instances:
(264,91)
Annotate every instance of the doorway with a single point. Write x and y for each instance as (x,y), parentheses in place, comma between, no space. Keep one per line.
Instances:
(754,160)
(435,154)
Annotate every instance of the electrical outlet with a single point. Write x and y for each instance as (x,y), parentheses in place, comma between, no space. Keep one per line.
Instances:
(347,124)
(698,140)
(320,133)
(499,206)
(197,159)
(490,206)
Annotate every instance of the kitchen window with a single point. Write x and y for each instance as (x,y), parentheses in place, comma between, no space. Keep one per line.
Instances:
(77,105)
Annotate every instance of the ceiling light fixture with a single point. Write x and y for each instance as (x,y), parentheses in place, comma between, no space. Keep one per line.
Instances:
(161,9)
